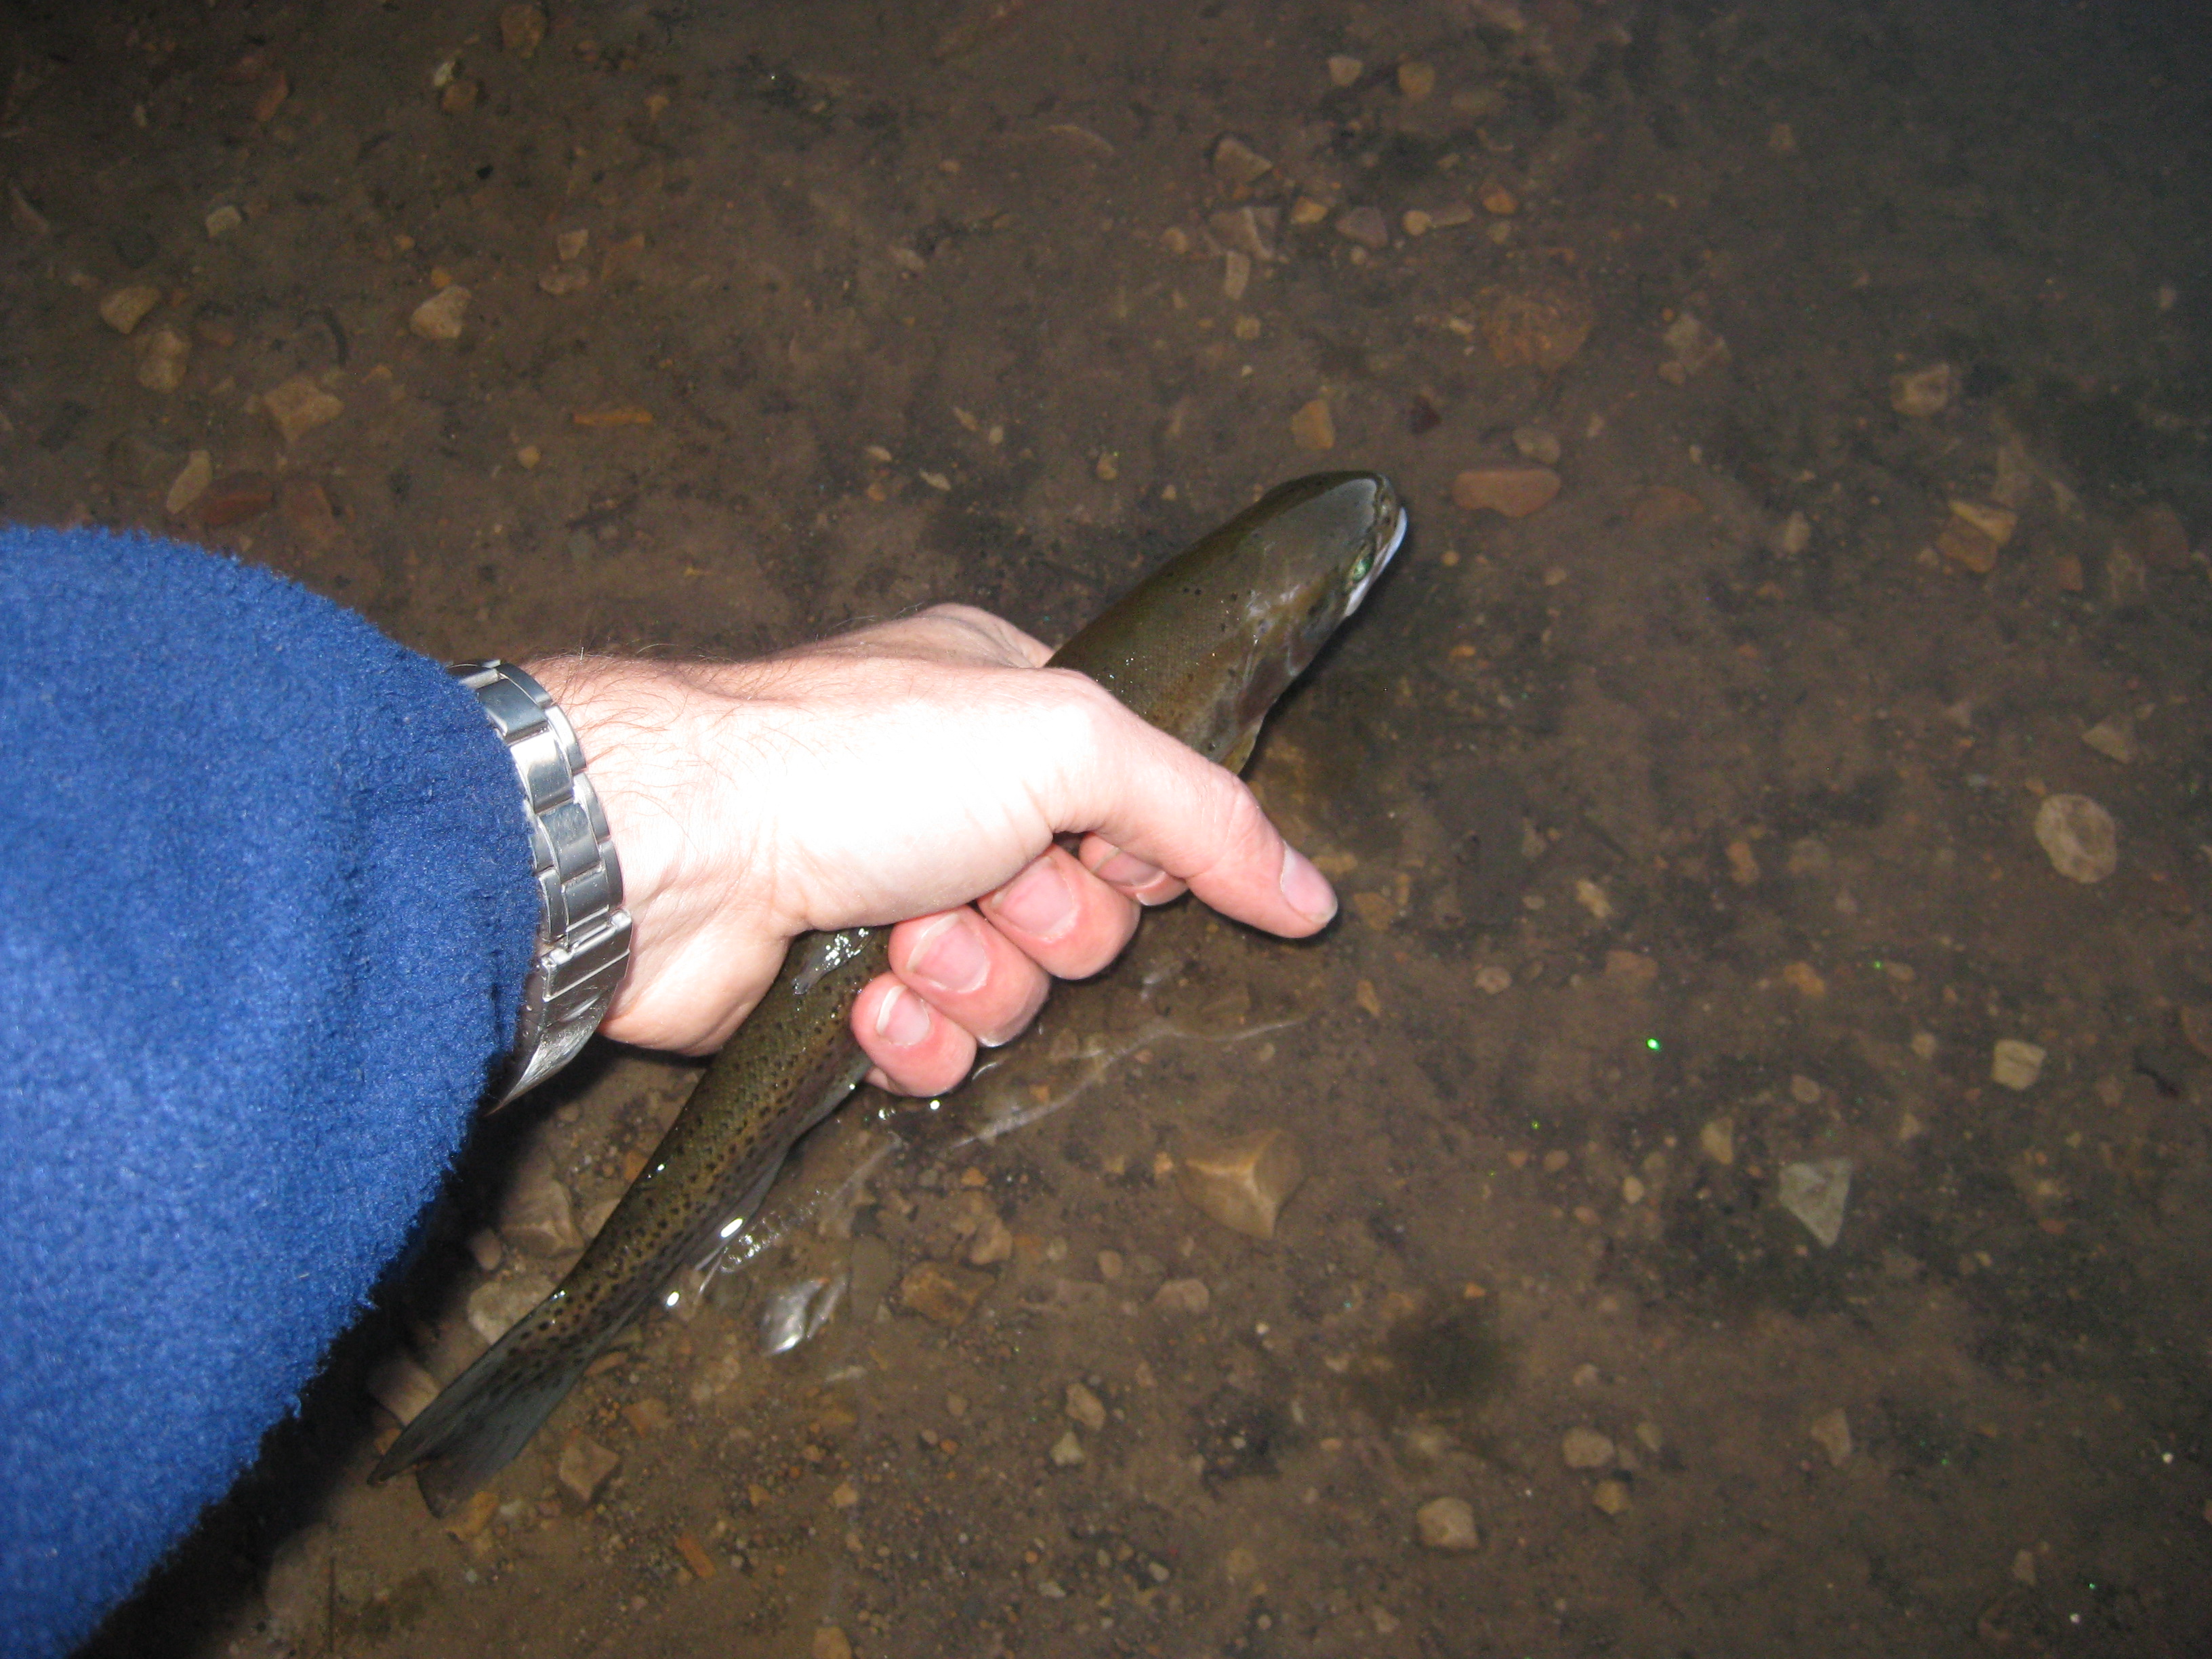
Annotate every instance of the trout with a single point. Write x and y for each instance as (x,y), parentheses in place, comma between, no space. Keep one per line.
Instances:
(1201,648)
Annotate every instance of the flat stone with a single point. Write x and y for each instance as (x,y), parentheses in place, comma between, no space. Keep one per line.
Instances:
(1365,226)
(1247,230)
(830,1643)
(1313,427)
(1924,391)
(1417,81)
(1717,1141)
(1515,491)
(401,1386)
(1961,543)
(220,221)
(584,1467)
(1344,70)
(1691,348)
(1183,1295)
(1237,164)
(944,1294)
(494,1307)
(1066,1451)
(439,316)
(1663,505)
(1244,1183)
(234,498)
(310,517)
(126,307)
(1446,1523)
(2078,837)
(298,406)
(564,280)
(1816,1193)
(535,1217)
(521,29)
(1610,1497)
(190,484)
(1997,523)
(1586,1449)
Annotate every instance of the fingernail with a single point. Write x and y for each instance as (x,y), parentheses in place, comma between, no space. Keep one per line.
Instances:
(1125,870)
(902,1017)
(952,957)
(1305,888)
(1038,901)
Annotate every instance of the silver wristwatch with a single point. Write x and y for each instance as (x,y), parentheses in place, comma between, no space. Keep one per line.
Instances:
(583,932)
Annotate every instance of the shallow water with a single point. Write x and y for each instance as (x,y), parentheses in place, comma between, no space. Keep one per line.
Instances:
(1677,851)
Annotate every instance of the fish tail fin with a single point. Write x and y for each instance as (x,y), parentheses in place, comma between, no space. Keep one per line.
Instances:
(486,1415)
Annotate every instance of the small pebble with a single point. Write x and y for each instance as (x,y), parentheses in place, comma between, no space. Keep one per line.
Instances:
(126,307)
(2015,1064)
(1492,981)
(1536,445)
(298,406)
(1344,70)
(521,28)
(1446,1523)
(944,1296)
(1244,1183)
(1717,1141)
(1817,1193)
(1085,1407)
(1066,1451)
(2080,837)
(223,221)
(1792,536)
(1832,1432)
(2114,738)
(830,1643)
(439,316)
(1610,1496)
(584,1467)
(1416,80)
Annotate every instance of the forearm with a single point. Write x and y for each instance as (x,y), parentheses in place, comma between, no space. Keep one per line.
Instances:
(263,934)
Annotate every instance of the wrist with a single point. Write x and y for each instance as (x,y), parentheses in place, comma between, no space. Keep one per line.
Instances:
(660,743)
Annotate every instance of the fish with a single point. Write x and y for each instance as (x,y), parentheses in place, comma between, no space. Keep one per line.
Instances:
(1201,648)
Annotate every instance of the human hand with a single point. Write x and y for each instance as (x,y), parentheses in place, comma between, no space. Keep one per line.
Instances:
(915,772)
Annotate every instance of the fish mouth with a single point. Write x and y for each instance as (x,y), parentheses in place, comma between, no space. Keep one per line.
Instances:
(1396,535)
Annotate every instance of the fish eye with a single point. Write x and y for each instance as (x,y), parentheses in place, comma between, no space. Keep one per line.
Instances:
(1361,566)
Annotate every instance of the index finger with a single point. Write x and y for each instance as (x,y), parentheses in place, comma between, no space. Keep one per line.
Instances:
(1155,801)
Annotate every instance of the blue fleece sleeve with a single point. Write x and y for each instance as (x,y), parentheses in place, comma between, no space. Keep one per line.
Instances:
(266,911)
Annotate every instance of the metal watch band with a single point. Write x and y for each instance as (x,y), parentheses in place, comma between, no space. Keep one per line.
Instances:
(583,932)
